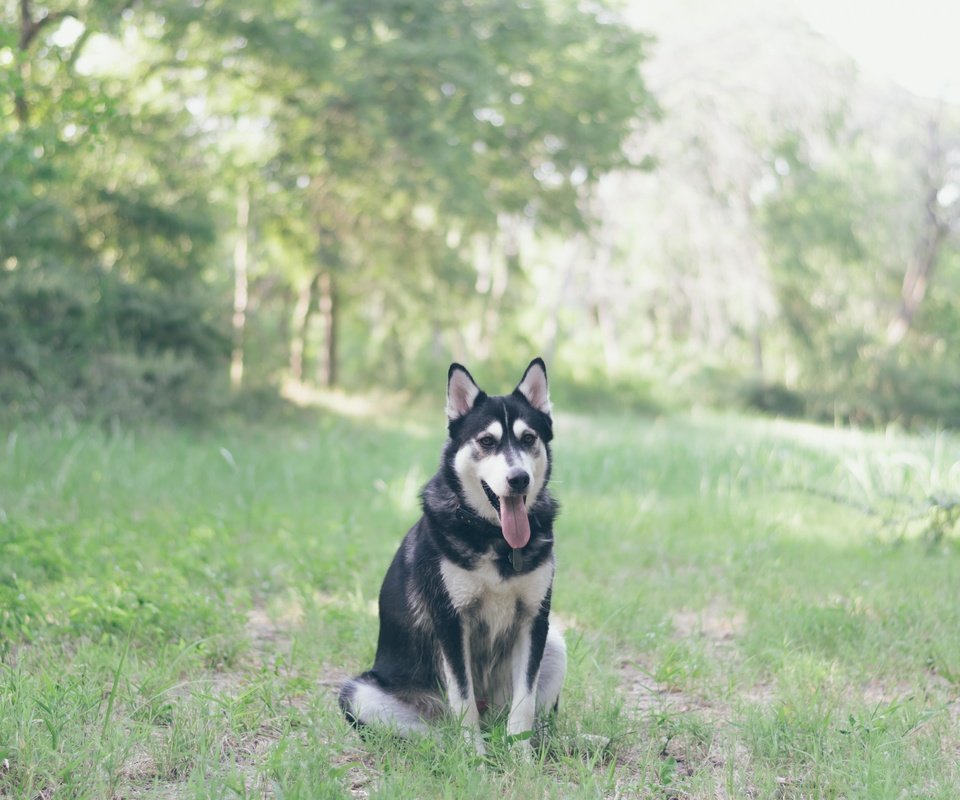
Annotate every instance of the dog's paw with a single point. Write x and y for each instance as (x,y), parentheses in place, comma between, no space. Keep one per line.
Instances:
(521,746)
(474,740)
(522,750)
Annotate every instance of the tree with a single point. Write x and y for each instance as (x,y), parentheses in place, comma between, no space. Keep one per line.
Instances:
(941,204)
(107,232)
(420,126)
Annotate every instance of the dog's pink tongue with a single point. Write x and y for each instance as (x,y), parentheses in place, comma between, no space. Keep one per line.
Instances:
(514,522)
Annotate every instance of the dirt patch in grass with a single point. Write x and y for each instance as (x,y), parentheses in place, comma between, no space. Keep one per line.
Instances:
(643,693)
(139,767)
(362,772)
(680,739)
(269,638)
(266,634)
(718,623)
(685,739)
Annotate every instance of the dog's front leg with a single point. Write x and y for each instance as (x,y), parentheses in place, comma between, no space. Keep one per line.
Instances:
(525,670)
(455,647)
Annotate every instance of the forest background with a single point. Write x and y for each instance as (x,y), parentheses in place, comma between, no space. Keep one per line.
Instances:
(209,205)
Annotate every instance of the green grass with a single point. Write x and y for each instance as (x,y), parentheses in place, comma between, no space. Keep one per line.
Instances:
(753,609)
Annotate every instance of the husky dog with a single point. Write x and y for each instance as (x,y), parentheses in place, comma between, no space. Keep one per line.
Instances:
(465,605)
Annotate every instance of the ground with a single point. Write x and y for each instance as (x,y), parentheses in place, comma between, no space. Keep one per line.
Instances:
(753,608)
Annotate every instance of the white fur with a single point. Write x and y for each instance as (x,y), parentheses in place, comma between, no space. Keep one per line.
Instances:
(497,597)
(523,705)
(493,469)
(520,427)
(373,705)
(466,469)
(495,429)
(419,612)
(553,669)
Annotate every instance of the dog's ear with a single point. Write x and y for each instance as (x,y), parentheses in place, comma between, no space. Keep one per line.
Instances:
(533,386)
(462,391)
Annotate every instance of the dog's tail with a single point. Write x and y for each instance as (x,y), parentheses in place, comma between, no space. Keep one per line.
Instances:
(347,700)
(365,700)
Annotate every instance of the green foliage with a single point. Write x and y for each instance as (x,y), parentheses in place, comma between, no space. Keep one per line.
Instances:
(98,346)
(909,388)
(772,398)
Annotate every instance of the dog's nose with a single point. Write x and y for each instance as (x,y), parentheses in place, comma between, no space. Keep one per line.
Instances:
(518,479)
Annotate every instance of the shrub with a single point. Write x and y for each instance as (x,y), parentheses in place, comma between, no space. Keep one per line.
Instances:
(97,346)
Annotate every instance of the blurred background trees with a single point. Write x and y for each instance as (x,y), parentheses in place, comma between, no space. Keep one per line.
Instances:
(211,198)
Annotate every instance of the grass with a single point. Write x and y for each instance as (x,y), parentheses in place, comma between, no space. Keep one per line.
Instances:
(753,609)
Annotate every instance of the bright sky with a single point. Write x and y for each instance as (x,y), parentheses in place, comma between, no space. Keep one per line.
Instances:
(916,43)
(913,42)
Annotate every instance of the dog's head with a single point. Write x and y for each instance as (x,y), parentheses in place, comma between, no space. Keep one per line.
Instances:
(501,447)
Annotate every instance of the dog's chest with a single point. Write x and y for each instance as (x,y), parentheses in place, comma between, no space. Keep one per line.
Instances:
(482,596)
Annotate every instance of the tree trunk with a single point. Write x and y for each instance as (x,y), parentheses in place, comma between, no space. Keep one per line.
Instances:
(916,279)
(603,316)
(602,293)
(240,286)
(756,333)
(300,324)
(573,255)
(20,106)
(924,259)
(29,29)
(329,309)
(757,341)
(27,32)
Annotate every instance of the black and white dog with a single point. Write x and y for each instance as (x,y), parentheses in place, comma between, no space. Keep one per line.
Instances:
(465,605)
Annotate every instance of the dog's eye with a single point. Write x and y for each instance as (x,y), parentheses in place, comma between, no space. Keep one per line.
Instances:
(486,441)
(528,438)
